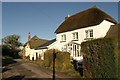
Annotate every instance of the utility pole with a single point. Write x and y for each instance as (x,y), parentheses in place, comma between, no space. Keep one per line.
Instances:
(54,56)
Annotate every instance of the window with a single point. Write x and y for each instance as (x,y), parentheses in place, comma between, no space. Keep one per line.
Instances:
(78,51)
(63,37)
(75,36)
(89,33)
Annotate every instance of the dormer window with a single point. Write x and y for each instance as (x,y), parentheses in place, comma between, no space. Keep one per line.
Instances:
(75,36)
(63,38)
(89,34)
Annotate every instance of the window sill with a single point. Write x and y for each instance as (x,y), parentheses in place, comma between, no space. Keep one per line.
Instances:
(89,38)
(62,41)
(75,40)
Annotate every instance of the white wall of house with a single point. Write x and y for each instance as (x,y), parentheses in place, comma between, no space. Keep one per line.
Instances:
(99,31)
(33,54)
(27,50)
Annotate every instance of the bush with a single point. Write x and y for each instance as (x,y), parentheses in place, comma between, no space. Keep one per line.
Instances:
(6,51)
(99,58)
(62,62)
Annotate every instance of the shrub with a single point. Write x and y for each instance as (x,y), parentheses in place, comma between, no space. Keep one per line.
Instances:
(62,62)
(99,58)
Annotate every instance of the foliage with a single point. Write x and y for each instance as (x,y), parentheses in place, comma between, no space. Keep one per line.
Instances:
(99,58)
(117,55)
(62,62)
(12,41)
(10,45)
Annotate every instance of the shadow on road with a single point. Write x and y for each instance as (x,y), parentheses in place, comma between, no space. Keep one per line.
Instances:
(6,62)
(5,69)
(18,77)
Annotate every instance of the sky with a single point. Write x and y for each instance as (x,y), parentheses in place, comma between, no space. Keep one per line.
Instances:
(60,0)
(43,18)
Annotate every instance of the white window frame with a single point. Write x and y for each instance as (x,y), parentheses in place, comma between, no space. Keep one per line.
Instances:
(75,36)
(89,33)
(63,37)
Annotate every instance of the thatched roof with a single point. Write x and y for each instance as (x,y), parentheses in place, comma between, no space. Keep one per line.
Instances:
(44,46)
(90,17)
(114,31)
(35,42)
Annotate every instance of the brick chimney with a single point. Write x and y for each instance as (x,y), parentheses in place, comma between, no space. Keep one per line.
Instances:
(29,36)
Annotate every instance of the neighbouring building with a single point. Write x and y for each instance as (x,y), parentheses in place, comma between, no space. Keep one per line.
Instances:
(30,45)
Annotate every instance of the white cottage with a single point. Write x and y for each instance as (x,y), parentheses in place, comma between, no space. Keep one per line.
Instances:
(30,45)
(90,24)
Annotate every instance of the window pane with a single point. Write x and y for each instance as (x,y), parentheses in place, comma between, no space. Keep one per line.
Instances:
(76,35)
(86,34)
(64,37)
(78,53)
(91,33)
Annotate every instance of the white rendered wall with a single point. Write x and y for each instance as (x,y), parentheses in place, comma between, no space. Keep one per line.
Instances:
(99,31)
(32,52)
(27,50)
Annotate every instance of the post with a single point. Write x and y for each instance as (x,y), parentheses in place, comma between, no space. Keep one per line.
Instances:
(54,56)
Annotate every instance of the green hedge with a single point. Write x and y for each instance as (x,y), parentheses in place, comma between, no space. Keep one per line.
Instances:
(117,56)
(99,58)
(62,62)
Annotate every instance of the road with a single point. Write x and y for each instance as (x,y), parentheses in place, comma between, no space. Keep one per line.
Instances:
(23,70)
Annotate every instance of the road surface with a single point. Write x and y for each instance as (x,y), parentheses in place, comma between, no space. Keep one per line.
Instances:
(25,70)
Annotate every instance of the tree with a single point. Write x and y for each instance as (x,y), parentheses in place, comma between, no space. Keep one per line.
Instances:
(12,43)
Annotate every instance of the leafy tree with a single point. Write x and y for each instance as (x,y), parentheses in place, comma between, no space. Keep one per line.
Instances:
(12,43)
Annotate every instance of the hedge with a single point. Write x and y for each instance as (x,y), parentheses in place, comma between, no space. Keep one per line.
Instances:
(99,58)
(62,62)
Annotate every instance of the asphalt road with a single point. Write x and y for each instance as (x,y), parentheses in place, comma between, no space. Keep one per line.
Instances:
(20,70)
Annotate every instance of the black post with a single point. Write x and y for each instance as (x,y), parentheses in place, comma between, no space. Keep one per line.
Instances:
(54,56)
